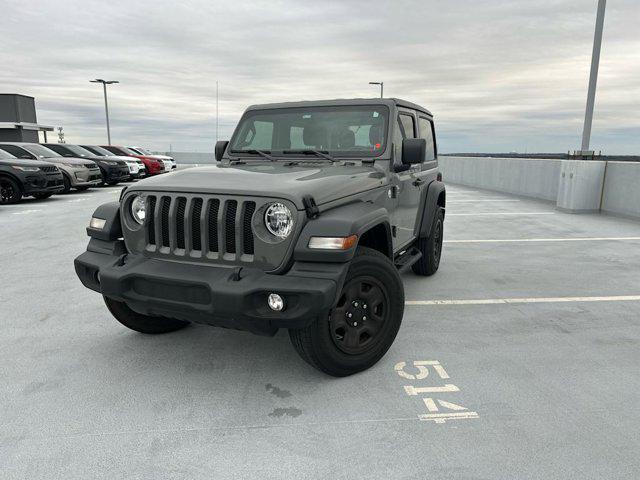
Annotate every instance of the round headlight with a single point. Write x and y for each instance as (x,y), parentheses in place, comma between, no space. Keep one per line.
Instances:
(278,220)
(138,209)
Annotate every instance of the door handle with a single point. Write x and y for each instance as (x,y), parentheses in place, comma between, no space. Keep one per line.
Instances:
(417,182)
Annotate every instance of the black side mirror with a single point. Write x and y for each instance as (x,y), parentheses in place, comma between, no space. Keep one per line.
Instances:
(221,146)
(413,150)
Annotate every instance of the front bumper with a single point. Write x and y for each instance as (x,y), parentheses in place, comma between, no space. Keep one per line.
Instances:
(43,183)
(210,295)
(116,173)
(86,177)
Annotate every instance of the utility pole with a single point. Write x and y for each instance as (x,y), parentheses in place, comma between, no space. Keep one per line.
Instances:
(217,111)
(106,104)
(593,77)
(381,87)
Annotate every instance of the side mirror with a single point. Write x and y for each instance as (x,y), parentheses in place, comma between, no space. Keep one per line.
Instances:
(221,146)
(413,150)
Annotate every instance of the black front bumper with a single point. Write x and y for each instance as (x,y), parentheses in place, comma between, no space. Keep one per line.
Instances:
(115,173)
(209,294)
(43,183)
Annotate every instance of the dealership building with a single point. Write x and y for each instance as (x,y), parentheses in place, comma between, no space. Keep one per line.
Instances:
(18,122)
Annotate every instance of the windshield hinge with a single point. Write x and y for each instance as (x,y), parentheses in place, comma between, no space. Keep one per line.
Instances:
(310,207)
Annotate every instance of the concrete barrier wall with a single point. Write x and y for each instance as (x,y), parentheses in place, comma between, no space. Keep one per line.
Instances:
(521,176)
(622,189)
(198,158)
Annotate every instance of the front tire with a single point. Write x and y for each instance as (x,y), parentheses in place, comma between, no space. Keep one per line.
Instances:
(142,323)
(431,247)
(66,184)
(362,325)
(9,191)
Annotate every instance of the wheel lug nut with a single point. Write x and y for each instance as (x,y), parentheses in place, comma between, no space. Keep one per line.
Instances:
(355,324)
(364,305)
(349,315)
(355,304)
(364,318)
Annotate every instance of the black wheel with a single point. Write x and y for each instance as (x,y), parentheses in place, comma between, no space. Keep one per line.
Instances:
(9,191)
(67,184)
(431,247)
(82,189)
(142,323)
(112,182)
(42,196)
(364,322)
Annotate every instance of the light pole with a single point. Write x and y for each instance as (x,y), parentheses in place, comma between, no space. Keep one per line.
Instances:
(217,114)
(381,87)
(593,77)
(106,104)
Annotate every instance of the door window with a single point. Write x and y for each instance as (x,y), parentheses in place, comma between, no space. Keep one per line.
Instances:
(426,131)
(407,126)
(16,151)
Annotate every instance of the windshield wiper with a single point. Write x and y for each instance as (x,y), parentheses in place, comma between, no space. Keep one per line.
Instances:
(308,151)
(258,152)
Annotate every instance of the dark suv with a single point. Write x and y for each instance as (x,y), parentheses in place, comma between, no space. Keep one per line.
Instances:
(26,178)
(307,221)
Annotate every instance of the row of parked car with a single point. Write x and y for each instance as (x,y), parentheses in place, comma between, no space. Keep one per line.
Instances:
(41,170)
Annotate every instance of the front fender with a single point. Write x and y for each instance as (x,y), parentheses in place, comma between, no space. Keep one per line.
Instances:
(112,230)
(343,221)
(430,206)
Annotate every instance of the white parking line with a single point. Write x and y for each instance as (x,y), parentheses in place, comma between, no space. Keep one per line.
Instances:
(492,200)
(25,212)
(503,301)
(497,213)
(519,240)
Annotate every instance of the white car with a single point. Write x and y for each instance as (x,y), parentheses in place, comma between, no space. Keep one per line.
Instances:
(169,162)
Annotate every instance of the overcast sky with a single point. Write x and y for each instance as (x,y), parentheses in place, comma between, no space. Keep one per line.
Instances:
(499,76)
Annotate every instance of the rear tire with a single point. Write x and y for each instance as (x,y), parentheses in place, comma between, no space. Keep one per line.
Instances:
(82,189)
(142,323)
(431,247)
(362,325)
(9,191)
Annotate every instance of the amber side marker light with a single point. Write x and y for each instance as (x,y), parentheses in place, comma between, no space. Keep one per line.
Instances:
(97,223)
(333,243)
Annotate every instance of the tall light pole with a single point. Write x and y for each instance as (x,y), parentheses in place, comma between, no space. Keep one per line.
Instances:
(106,104)
(593,77)
(217,114)
(381,87)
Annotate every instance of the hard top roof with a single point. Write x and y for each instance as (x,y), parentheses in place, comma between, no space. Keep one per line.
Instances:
(342,101)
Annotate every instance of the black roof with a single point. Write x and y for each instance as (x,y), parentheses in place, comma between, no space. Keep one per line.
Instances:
(342,101)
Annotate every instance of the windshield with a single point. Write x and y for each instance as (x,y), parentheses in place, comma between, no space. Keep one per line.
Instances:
(139,151)
(74,149)
(5,155)
(103,152)
(121,151)
(342,131)
(40,151)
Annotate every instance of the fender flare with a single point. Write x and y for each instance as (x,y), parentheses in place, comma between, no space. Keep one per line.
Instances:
(112,230)
(343,221)
(430,206)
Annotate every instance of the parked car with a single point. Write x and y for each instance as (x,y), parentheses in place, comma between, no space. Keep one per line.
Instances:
(77,173)
(154,166)
(141,170)
(306,223)
(112,169)
(164,158)
(27,178)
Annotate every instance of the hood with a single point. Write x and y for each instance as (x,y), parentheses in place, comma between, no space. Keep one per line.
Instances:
(24,163)
(112,158)
(70,160)
(324,182)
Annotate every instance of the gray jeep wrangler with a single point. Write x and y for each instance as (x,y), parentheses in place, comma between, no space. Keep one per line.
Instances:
(305,223)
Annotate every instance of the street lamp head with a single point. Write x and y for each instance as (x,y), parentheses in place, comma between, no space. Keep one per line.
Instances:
(106,82)
(375,83)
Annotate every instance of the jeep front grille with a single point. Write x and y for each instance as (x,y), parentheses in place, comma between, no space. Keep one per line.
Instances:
(182,225)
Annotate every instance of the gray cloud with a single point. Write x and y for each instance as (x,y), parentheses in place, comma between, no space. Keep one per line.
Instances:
(499,76)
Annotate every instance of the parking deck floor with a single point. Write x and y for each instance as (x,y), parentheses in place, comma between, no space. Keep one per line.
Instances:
(519,359)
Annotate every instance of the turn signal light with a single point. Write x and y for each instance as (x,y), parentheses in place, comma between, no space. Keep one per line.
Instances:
(333,243)
(97,223)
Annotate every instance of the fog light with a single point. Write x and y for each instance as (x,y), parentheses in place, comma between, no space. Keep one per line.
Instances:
(276,302)
(97,223)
